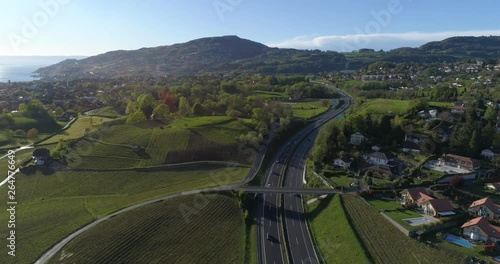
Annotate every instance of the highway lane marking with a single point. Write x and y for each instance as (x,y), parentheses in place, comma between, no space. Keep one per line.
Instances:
(297,241)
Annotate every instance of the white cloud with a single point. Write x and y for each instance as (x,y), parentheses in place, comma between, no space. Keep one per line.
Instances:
(384,41)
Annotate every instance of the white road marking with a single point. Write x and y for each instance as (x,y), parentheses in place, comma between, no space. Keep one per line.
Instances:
(297,240)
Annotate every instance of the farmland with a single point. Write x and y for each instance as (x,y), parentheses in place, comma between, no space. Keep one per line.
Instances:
(165,233)
(334,237)
(385,243)
(72,199)
(395,211)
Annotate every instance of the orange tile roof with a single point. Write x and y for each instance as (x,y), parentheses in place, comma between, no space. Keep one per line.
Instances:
(483,224)
(486,202)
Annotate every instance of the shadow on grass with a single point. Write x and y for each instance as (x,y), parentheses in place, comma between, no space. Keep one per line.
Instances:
(143,154)
(323,204)
(34,169)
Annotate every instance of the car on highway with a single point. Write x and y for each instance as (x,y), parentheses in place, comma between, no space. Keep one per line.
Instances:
(275,173)
(269,237)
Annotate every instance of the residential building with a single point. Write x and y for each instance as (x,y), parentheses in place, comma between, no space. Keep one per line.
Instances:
(415,195)
(479,229)
(488,154)
(379,158)
(494,186)
(486,208)
(342,162)
(458,108)
(357,139)
(410,147)
(437,207)
(459,162)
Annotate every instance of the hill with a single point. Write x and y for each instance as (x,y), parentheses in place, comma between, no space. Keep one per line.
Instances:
(231,53)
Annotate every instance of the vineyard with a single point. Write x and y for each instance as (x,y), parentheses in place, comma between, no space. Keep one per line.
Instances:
(211,232)
(54,204)
(385,243)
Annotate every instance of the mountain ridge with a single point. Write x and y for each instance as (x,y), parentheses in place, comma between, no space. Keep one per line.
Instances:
(232,53)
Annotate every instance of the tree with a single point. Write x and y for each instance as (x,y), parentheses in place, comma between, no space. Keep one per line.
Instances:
(32,133)
(197,109)
(22,108)
(146,103)
(137,116)
(491,114)
(131,108)
(36,109)
(341,140)
(161,111)
(58,111)
(184,107)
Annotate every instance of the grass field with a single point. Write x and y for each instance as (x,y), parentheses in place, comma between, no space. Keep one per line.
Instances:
(52,205)
(270,95)
(395,211)
(385,243)
(382,106)
(77,129)
(107,111)
(308,110)
(184,140)
(165,233)
(334,236)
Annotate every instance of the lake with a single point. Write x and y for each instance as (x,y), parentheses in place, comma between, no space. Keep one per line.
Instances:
(21,68)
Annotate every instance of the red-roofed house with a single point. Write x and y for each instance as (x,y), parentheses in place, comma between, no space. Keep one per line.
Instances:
(415,195)
(480,229)
(459,162)
(485,207)
(438,207)
(495,186)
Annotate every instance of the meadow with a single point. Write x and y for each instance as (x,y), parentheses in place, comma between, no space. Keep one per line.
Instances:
(54,204)
(164,233)
(383,106)
(334,237)
(385,243)
(307,110)
(82,126)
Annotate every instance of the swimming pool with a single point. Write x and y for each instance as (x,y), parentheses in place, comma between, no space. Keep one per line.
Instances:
(416,221)
(458,241)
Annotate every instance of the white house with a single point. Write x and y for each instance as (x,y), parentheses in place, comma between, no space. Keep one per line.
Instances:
(488,154)
(342,162)
(378,158)
(357,138)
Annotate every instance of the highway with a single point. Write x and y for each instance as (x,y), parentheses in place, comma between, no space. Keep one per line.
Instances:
(289,162)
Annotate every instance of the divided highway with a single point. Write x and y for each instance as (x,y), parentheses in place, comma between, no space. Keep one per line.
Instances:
(290,162)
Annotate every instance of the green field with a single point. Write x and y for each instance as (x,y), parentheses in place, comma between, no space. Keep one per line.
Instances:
(77,129)
(395,211)
(107,111)
(308,110)
(334,236)
(165,233)
(54,204)
(385,243)
(383,106)
(185,140)
(270,95)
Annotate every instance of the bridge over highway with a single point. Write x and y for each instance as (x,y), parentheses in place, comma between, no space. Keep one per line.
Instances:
(284,190)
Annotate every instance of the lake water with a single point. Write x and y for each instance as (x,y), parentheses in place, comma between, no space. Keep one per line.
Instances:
(21,68)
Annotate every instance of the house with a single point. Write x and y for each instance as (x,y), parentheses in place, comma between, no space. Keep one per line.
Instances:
(414,195)
(384,170)
(416,138)
(65,117)
(488,154)
(458,108)
(357,139)
(376,148)
(342,162)
(494,186)
(410,147)
(437,207)
(379,158)
(459,162)
(40,156)
(480,229)
(135,148)
(486,208)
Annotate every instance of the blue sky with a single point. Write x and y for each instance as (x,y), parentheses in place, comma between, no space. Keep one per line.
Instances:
(91,27)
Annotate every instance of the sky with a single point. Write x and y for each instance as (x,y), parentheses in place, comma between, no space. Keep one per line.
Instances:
(91,27)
